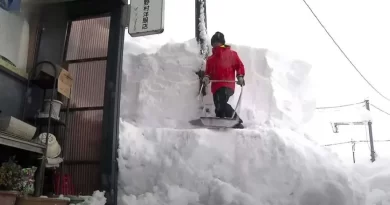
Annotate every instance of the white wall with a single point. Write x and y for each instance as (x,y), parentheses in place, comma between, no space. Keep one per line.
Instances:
(14,38)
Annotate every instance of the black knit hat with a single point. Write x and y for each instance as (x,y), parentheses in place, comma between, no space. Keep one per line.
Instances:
(218,37)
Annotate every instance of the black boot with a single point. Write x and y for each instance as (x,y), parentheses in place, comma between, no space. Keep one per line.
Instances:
(238,126)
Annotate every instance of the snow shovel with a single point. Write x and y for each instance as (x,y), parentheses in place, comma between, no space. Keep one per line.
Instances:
(216,122)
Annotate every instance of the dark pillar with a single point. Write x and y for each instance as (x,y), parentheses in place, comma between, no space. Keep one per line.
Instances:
(111,110)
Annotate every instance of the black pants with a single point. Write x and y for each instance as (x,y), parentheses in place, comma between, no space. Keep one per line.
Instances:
(222,107)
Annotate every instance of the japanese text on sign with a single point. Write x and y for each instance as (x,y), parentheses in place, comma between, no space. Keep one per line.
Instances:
(145,19)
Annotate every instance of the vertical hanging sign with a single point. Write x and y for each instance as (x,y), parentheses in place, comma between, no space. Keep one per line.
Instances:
(146,17)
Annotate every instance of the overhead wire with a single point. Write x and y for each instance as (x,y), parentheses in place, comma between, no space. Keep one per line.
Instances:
(339,106)
(353,141)
(345,55)
(339,143)
(376,107)
(364,78)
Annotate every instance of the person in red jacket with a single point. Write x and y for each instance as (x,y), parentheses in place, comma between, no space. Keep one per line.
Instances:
(223,64)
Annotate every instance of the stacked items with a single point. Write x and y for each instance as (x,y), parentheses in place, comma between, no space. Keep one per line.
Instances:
(53,150)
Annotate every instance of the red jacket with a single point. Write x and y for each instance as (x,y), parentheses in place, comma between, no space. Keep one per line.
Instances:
(223,65)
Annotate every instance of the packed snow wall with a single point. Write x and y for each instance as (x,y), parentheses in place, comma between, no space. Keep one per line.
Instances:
(163,160)
(160,89)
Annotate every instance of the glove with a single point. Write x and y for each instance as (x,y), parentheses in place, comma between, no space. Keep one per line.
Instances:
(206,80)
(240,80)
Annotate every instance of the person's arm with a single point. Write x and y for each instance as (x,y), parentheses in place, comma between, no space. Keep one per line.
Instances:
(239,66)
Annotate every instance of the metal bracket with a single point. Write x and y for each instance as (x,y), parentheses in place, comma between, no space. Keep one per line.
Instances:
(125,16)
(335,125)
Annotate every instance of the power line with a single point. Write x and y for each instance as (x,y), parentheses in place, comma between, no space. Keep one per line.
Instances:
(359,141)
(380,109)
(352,104)
(339,106)
(345,55)
(340,143)
(381,140)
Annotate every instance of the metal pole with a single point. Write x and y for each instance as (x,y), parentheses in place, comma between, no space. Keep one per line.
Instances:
(197,20)
(201,42)
(42,167)
(353,151)
(370,133)
(198,6)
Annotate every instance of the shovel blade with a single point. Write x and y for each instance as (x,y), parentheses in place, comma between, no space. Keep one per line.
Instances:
(217,122)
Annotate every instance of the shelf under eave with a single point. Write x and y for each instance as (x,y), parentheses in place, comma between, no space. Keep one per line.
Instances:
(10,141)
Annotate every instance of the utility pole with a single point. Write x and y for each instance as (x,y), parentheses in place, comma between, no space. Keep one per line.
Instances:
(370,133)
(353,150)
(204,52)
(335,127)
(198,7)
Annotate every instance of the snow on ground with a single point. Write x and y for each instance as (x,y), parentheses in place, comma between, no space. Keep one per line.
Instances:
(97,198)
(165,161)
(377,177)
(248,167)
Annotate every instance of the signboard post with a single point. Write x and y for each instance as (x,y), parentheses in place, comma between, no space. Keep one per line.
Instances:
(146,17)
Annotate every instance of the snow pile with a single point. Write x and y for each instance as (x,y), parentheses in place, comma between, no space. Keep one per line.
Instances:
(162,161)
(160,89)
(278,88)
(97,198)
(248,167)
(377,176)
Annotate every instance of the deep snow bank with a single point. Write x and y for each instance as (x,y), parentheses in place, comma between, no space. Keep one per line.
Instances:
(377,177)
(248,167)
(265,164)
(160,89)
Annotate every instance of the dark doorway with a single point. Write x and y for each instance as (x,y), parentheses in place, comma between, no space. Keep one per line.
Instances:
(86,56)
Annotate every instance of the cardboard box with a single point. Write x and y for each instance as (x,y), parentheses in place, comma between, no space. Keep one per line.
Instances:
(65,83)
(65,79)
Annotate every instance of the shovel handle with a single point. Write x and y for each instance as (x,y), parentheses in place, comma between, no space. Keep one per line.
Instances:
(228,81)
(223,81)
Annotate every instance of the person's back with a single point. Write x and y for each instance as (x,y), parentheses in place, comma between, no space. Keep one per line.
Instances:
(224,64)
